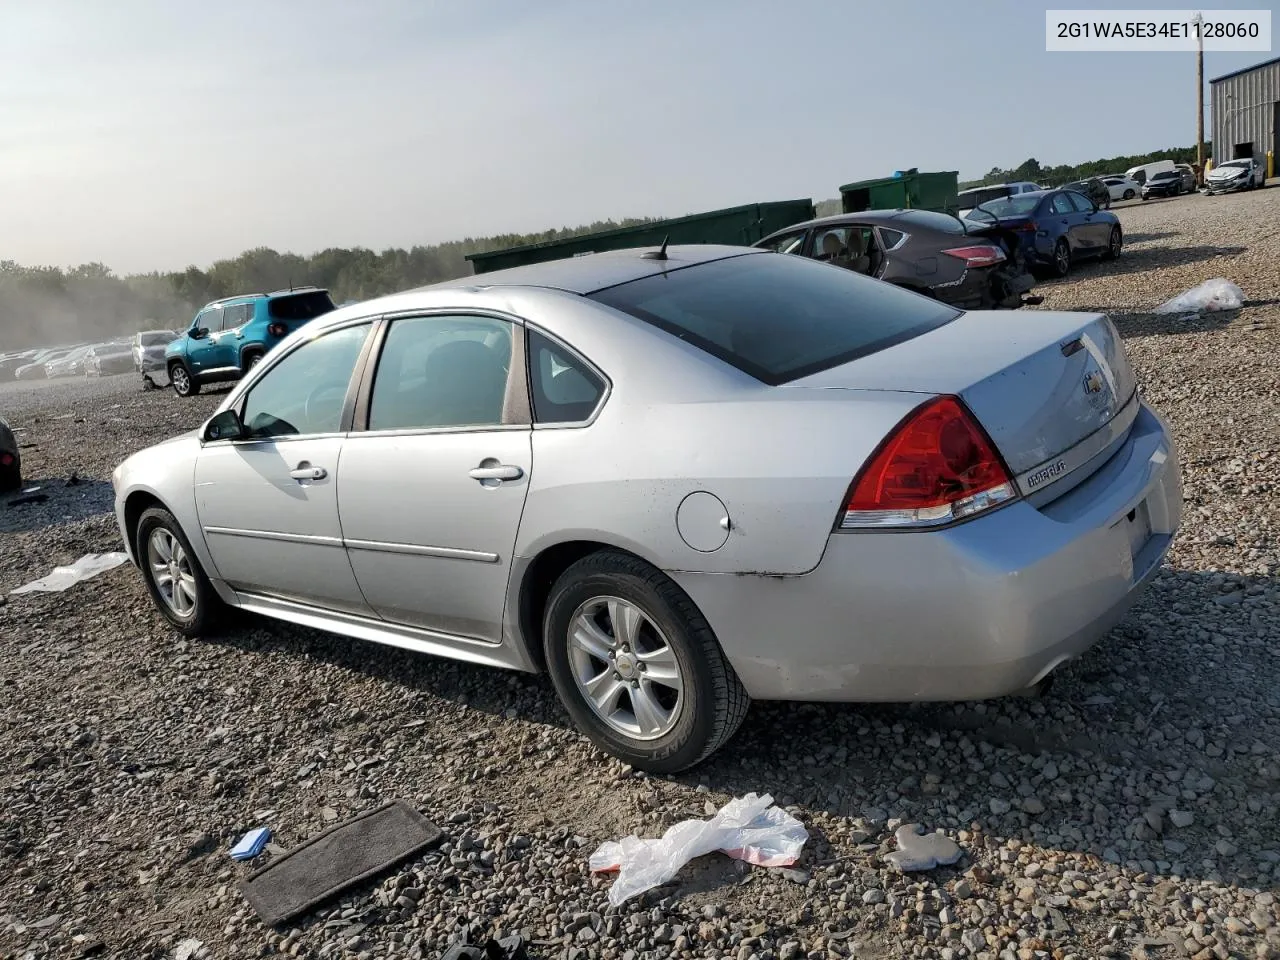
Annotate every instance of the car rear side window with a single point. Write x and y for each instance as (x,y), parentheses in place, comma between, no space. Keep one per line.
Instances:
(300,306)
(778,318)
(564,388)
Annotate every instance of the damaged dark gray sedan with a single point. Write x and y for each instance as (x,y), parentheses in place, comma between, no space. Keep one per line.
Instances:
(970,265)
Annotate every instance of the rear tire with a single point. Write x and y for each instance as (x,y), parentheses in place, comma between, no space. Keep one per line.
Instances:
(178,585)
(184,382)
(654,690)
(1129,195)
(1114,245)
(251,359)
(1061,259)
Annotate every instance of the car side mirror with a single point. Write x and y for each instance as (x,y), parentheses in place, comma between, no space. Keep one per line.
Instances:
(199,333)
(224,426)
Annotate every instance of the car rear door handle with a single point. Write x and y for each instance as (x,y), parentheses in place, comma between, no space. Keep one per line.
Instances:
(305,471)
(502,471)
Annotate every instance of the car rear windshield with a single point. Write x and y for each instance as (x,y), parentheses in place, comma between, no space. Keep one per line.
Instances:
(301,306)
(930,221)
(777,317)
(155,339)
(1021,206)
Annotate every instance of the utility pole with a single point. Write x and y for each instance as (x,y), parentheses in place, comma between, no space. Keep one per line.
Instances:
(1198,20)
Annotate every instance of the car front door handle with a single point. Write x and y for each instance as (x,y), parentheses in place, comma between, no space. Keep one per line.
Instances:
(305,471)
(502,471)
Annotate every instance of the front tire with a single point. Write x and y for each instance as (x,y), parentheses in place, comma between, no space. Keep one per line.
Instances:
(637,666)
(184,382)
(177,583)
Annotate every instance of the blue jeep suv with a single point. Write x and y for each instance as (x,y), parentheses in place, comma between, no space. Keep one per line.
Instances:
(228,336)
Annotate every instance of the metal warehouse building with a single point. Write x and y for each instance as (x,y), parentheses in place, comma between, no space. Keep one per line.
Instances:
(1246,112)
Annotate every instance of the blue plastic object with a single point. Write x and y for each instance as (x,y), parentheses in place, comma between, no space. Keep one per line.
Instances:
(251,844)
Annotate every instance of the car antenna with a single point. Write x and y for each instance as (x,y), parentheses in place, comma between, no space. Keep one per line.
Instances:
(660,253)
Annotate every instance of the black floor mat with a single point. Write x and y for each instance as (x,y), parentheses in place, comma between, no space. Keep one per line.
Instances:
(336,859)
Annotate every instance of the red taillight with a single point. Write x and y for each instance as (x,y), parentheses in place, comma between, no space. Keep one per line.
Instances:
(982,255)
(277,329)
(937,466)
(6,459)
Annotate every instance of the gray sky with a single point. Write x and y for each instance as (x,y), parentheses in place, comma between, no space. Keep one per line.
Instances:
(153,135)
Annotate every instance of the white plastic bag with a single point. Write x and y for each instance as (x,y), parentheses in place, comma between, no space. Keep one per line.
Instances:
(747,828)
(1207,297)
(90,565)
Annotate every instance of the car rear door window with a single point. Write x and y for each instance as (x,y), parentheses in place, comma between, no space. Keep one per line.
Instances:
(563,387)
(777,319)
(1061,204)
(305,392)
(1081,202)
(442,371)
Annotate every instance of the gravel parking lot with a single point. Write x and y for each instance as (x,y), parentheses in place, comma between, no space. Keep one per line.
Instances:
(1133,812)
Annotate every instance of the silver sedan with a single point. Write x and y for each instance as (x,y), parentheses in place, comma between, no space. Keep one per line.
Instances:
(676,481)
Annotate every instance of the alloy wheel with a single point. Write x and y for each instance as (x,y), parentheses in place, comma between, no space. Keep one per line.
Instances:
(625,668)
(171,571)
(181,380)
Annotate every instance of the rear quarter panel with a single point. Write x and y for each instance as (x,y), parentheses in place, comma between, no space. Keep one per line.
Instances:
(677,421)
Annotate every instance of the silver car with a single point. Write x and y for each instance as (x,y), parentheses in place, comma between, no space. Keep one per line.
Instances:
(676,481)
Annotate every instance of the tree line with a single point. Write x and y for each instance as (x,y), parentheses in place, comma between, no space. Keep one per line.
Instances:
(42,306)
(45,306)
(1032,170)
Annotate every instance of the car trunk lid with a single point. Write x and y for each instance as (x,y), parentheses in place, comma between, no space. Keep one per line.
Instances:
(1052,390)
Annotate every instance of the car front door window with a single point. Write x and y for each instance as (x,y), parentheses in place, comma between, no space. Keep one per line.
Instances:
(305,393)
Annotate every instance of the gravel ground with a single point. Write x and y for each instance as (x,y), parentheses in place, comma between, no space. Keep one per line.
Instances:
(1132,812)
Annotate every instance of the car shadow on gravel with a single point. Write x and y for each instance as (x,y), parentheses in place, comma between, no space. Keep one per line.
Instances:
(1148,237)
(1146,324)
(49,502)
(1128,712)
(1156,258)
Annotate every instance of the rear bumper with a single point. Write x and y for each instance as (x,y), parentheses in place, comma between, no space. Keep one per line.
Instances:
(982,609)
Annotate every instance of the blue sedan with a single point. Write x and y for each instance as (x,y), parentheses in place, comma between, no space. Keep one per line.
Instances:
(1055,228)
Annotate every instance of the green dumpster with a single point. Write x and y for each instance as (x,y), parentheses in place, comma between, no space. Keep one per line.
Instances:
(906,189)
(736,226)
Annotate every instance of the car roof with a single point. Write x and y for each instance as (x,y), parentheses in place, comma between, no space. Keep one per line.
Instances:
(248,297)
(595,271)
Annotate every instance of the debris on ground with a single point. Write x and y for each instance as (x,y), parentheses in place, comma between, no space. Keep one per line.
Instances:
(338,858)
(28,497)
(918,850)
(1208,297)
(190,949)
(746,828)
(508,948)
(251,844)
(63,578)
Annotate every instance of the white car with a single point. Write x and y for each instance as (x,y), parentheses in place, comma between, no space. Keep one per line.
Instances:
(1122,188)
(1233,175)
